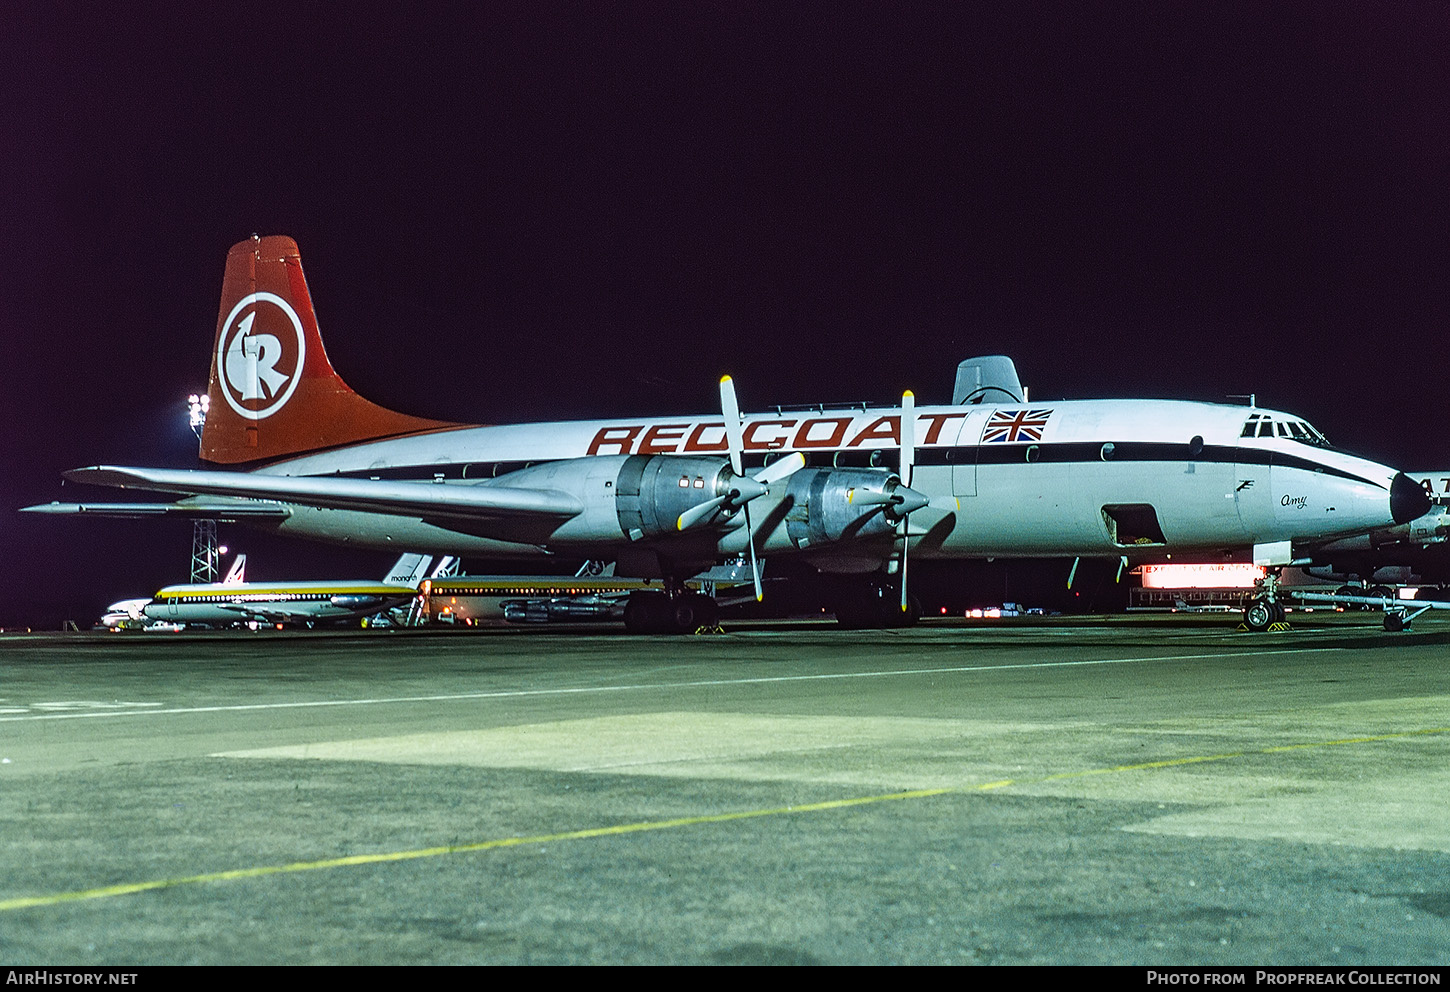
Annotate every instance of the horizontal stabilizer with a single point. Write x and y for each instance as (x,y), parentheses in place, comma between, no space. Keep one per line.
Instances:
(420,499)
(226,511)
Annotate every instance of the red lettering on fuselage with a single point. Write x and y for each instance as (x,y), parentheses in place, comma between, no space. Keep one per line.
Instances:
(662,439)
(760,435)
(770,443)
(938,421)
(882,428)
(695,443)
(803,437)
(620,437)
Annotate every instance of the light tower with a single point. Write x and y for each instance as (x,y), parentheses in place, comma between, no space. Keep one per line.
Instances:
(205,556)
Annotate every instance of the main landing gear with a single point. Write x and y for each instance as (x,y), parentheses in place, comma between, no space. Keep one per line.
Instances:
(661,613)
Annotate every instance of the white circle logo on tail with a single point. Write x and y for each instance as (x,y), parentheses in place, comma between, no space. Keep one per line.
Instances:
(260,354)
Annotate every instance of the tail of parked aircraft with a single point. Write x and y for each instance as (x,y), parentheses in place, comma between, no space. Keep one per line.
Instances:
(411,569)
(273,393)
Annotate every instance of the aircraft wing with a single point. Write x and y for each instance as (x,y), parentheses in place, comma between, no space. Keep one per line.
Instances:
(476,503)
(227,511)
(266,614)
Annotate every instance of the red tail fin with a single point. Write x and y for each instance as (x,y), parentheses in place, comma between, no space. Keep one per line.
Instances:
(273,393)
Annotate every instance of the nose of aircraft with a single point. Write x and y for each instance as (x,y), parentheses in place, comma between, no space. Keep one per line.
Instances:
(1408,500)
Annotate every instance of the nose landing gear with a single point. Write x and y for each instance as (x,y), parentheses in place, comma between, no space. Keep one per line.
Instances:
(1266,608)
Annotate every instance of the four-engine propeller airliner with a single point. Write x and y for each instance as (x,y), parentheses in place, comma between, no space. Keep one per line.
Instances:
(852,490)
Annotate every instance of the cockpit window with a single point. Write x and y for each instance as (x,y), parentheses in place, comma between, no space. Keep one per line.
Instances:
(1264,425)
(1312,436)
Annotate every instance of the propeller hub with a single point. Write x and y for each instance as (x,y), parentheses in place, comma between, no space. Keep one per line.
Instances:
(907,500)
(743,489)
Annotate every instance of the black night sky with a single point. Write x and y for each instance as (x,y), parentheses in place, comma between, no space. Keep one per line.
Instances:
(515,211)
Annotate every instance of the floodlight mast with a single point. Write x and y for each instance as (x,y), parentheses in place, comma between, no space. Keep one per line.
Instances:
(196,408)
(205,556)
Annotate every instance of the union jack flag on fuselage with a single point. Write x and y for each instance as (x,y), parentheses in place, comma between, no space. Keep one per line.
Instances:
(1015,425)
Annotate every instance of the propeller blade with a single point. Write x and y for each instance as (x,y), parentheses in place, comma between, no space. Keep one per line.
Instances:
(698,514)
(903,569)
(734,436)
(782,468)
(901,500)
(909,498)
(908,435)
(868,497)
(754,565)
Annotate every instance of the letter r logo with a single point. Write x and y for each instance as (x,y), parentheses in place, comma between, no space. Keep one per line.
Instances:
(260,355)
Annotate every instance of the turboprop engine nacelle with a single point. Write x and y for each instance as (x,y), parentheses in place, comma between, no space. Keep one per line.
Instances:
(846,504)
(652,492)
(1430,529)
(633,496)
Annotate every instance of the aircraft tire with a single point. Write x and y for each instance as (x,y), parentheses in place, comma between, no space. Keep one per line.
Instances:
(860,609)
(634,617)
(693,611)
(1258,615)
(903,618)
(648,613)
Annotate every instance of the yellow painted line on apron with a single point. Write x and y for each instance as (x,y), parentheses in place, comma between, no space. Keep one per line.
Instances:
(487,845)
(109,891)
